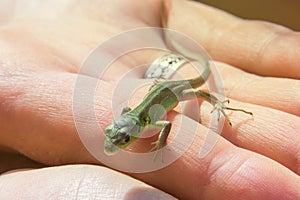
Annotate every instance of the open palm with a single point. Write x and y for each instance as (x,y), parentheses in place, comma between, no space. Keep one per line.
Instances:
(42,48)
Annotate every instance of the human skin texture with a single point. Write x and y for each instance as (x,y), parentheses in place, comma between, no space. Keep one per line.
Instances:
(41,50)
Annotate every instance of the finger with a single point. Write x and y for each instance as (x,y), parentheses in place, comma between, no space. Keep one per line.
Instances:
(226,172)
(55,122)
(269,132)
(258,47)
(279,139)
(12,161)
(77,181)
(277,93)
(37,120)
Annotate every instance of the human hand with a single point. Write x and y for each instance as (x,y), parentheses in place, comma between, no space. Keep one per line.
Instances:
(41,52)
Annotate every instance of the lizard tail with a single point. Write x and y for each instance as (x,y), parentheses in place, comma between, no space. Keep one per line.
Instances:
(192,56)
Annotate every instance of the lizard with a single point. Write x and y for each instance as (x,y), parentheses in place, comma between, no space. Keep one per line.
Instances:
(130,124)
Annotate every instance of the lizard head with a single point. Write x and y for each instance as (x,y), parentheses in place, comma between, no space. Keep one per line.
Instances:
(122,132)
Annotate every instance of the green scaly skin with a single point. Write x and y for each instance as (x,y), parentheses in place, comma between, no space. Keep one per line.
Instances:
(161,98)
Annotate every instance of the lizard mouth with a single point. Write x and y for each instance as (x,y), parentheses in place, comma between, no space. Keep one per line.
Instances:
(110,148)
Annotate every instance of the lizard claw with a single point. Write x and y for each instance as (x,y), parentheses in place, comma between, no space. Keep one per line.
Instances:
(157,148)
(220,107)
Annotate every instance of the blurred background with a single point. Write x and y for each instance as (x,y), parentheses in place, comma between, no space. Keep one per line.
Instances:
(284,12)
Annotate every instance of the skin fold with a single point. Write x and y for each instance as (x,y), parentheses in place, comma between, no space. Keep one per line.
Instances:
(41,50)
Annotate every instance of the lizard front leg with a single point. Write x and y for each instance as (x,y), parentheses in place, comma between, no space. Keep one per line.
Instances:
(162,137)
(125,110)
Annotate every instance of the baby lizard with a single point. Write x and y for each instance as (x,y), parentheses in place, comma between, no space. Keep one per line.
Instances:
(130,124)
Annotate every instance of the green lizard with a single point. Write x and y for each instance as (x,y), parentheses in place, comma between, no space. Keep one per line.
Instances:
(131,123)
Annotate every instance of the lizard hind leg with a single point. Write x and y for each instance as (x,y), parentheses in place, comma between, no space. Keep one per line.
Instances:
(219,106)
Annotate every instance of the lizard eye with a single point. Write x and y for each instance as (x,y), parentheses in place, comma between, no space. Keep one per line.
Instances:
(126,139)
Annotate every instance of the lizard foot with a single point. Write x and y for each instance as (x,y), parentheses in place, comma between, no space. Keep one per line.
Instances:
(158,149)
(220,107)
